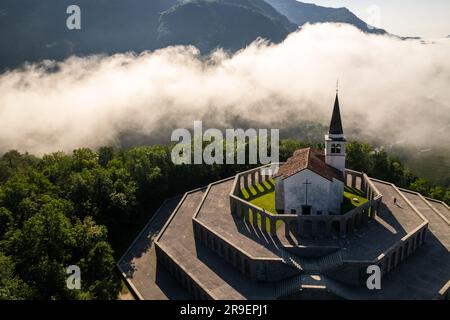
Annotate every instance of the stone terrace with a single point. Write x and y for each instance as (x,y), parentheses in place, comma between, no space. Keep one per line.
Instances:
(220,279)
(420,276)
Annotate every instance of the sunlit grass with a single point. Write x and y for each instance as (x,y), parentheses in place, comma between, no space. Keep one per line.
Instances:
(349,203)
(263,196)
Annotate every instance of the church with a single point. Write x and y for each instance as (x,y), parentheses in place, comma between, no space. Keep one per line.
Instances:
(312,181)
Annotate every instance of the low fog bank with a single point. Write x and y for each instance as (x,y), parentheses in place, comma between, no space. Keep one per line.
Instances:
(391,90)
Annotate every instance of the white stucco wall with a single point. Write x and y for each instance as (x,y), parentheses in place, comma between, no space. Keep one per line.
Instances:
(279,193)
(323,194)
(336,196)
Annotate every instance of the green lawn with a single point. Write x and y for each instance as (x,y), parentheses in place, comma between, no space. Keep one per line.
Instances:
(262,196)
(349,194)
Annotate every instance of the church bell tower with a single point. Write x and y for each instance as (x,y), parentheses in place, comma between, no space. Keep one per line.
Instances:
(335,140)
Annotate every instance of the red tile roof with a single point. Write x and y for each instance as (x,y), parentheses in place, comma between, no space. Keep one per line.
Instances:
(308,158)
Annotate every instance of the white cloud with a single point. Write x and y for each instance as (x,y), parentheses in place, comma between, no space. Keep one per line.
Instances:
(397,90)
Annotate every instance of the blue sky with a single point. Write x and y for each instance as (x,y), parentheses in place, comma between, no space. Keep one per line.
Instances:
(425,18)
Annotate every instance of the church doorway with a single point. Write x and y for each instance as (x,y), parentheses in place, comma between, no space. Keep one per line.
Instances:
(306,210)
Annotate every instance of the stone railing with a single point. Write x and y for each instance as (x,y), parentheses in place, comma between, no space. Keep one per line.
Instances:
(355,271)
(313,226)
(444,293)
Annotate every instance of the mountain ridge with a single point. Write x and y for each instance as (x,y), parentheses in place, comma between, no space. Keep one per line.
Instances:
(35,30)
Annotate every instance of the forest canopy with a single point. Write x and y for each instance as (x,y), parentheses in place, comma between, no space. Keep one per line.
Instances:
(85,208)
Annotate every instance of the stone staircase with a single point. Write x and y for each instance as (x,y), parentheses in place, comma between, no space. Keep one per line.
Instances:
(302,264)
(288,286)
(312,266)
(353,293)
(330,261)
(309,269)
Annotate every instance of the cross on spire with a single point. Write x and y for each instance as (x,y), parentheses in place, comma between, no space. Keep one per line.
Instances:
(337,86)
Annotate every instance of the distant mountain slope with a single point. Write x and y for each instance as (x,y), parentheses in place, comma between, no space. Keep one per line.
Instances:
(301,13)
(31,30)
(231,24)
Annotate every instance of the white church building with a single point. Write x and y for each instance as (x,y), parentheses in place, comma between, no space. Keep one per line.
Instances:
(312,181)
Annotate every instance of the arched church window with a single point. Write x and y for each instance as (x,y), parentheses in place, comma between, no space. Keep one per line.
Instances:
(338,148)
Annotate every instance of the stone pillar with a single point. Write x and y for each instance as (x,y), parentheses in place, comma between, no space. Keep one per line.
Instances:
(245,177)
(425,234)
(255,218)
(314,224)
(364,216)
(328,229)
(353,181)
(252,179)
(342,228)
(273,229)
(263,222)
(264,176)
(247,214)
(301,228)
(286,227)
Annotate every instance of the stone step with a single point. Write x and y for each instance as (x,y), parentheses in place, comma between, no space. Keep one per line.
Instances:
(330,261)
(288,286)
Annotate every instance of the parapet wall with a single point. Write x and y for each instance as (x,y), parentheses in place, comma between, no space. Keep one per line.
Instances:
(308,226)
(255,268)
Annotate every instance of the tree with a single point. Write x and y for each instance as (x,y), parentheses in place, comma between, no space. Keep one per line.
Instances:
(421,185)
(359,156)
(11,286)
(42,250)
(6,221)
(99,266)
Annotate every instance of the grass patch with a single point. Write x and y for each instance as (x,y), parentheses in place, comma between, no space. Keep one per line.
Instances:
(349,195)
(262,195)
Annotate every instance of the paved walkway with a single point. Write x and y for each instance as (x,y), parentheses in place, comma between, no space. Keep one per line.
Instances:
(221,279)
(139,265)
(216,214)
(422,274)
(439,206)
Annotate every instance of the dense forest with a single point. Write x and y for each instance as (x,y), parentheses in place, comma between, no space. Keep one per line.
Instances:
(85,208)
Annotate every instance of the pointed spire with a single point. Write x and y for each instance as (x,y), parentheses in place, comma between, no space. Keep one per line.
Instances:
(336,123)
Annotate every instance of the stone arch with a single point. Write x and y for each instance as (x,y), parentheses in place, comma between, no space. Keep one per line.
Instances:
(230,255)
(335,228)
(349,225)
(221,249)
(393,260)
(322,228)
(307,228)
(423,235)
(246,267)
(388,264)
(406,249)
(208,240)
(358,219)
(412,240)
(293,224)
(238,260)
(215,244)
